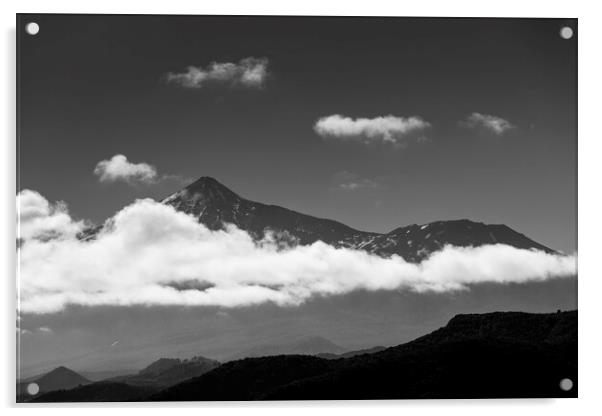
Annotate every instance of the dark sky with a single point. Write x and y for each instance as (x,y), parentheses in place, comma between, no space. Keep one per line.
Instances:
(91,87)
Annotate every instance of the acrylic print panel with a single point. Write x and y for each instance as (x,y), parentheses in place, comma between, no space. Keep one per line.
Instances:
(261,208)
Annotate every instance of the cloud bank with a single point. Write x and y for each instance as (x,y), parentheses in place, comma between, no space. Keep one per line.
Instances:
(494,124)
(383,129)
(150,254)
(119,168)
(249,72)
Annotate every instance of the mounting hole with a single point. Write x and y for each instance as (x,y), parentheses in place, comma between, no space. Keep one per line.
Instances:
(33,389)
(566,384)
(566,32)
(32,28)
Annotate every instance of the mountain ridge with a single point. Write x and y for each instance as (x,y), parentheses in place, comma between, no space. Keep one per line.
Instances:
(214,205)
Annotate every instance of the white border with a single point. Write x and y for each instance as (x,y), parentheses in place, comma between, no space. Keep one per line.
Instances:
(590,175)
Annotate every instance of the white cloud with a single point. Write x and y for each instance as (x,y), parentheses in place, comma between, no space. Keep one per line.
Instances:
(119,168)
(249,72)
(494,124)
(37,218)
(348,181)
(386,129)
(45,329)
(149,248)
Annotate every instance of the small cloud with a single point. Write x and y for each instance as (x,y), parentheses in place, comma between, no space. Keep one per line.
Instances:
(382,129)
(119,168)
(348,181)
(24,331)
(249,72)
(494,124)
(222,314)
(45,329)
(114,343)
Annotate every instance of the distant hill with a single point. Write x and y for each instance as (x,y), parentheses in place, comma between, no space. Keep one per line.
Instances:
(60,378)
(168,371)
(160,374)
(100,375)
(311,345)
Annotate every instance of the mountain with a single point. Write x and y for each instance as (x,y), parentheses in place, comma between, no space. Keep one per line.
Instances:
(214,205)
(60,378)
(305,346)
(494,355)
(166,372)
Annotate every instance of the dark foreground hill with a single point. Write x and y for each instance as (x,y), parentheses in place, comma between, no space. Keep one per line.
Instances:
(102,391)
(474,356)
(494,355)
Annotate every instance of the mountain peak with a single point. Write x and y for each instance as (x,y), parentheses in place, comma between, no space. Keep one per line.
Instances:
(208,184)
(206,181)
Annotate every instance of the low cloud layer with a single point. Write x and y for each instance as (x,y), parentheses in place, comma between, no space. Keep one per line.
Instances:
(493,124)
(248,72)
(383,129)
(150,254)
(119,168)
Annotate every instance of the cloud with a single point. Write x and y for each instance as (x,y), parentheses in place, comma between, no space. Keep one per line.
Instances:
(39,219)
(45,329)
(119,168)
(383,129)
(348,181)
(147,246)
(494,124)
(248,72)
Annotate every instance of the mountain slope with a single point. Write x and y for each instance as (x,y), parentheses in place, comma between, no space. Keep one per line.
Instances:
(214,205)
(474,356)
